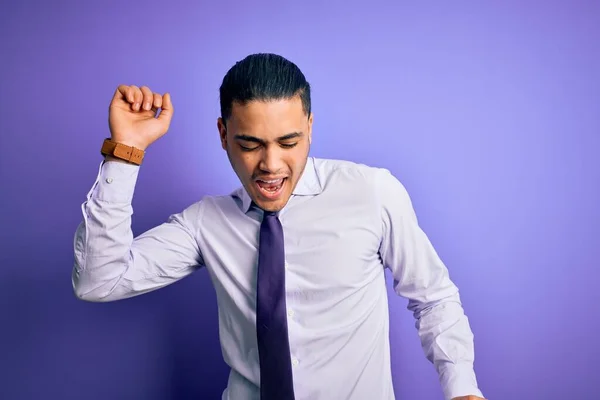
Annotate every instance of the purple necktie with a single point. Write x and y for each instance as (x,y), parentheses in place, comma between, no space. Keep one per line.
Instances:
(276,381)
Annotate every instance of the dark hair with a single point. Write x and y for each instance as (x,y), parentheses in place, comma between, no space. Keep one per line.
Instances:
(263,77)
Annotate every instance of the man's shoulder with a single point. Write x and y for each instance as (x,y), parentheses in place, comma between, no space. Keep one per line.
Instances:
(329,167)
(221,200)
(209,203)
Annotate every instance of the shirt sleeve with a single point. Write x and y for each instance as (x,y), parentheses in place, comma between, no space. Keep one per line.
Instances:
(422,278)
(112,264)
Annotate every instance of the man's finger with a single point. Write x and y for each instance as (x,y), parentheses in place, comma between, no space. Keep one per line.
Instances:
(123,92)
(137,96)
(147,99)
(166,113)
(157,100)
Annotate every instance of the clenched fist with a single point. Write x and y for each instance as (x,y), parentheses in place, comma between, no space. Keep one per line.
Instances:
(132,116)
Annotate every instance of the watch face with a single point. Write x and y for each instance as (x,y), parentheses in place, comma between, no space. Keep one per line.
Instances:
(107,148)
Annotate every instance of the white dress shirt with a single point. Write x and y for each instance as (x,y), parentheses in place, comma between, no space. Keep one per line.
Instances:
(344,223)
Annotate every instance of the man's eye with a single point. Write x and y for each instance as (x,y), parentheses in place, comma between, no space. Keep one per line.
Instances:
(289,145)
(244,148)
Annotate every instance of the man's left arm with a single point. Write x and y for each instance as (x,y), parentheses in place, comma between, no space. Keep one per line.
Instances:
(422,278)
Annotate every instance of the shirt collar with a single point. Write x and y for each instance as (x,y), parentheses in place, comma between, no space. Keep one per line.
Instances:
(308,185)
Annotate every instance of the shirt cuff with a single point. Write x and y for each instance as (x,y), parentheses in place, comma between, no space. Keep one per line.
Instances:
(115,182)
(459,380)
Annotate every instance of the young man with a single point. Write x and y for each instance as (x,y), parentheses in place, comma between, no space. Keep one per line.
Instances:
(296,255)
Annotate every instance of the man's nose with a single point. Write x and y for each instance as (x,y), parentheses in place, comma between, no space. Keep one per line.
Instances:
(271,161)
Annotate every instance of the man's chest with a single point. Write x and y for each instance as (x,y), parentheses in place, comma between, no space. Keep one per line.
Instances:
(328,249)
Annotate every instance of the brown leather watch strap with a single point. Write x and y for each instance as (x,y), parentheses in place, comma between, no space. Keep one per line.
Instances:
(122,151)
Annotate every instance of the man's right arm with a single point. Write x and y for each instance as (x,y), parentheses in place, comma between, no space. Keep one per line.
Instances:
(112,264)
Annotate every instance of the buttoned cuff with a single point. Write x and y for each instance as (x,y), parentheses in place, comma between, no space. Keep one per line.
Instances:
(459,380)
(115,182)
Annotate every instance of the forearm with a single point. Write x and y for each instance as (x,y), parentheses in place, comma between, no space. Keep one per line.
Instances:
(447,340)
(112,264)
(104,238)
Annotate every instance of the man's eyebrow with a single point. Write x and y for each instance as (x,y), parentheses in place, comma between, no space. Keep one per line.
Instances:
(248,138)
(289,136)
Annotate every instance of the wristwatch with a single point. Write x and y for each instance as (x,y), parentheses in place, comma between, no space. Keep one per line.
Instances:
(122,151)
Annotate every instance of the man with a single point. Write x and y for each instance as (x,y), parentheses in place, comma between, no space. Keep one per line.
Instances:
(296,255)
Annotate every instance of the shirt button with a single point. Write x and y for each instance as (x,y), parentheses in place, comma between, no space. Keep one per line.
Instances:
(286,265)
(295,361)
(109,180)
(290,313)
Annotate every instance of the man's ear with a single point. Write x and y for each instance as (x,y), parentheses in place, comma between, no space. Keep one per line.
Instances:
(310,123)
(222,132)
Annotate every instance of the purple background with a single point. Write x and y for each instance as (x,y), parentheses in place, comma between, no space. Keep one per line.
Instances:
(488,113)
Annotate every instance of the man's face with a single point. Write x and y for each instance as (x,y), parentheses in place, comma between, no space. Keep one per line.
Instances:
(267,144)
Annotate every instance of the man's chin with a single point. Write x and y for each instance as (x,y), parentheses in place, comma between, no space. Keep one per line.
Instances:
(271,205)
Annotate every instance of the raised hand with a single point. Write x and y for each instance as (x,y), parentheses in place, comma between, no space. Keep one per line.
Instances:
(132,116)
